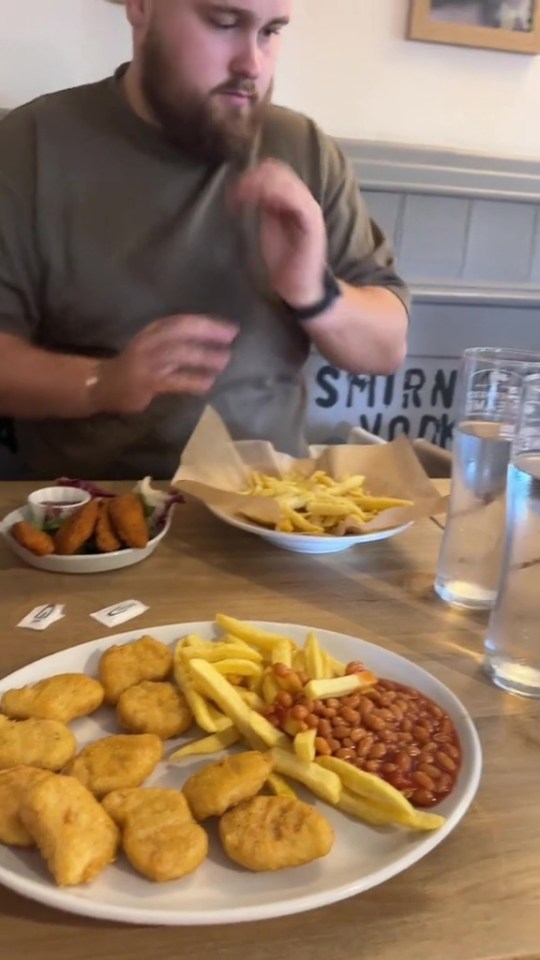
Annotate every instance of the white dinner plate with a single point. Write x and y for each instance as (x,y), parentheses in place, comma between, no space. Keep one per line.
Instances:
(83,562)
(220,891)
(306,543)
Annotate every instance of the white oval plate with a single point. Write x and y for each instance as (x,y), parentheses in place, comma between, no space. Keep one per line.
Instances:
(305,543)
(220,891)
(81,563)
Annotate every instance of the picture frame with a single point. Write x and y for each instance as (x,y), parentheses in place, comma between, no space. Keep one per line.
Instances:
(510,25)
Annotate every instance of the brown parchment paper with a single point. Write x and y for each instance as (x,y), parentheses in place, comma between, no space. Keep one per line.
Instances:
(215,470)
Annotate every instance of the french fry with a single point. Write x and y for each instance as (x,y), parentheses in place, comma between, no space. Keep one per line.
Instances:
(261,639)
(315,666)
(197,704)
(242,668)
(304,745)
(380,816)
(271,736)
(282,653)
(227,698)
(253,700)
(206,745)
(299,661)
(340,686)
(338,668)
(270,687)
(369,786)
(279,786)
(214,652)
(328,787)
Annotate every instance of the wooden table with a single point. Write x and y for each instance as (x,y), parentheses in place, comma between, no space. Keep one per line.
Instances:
(476,897)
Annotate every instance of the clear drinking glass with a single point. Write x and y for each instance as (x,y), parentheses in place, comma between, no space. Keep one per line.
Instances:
(513,640)
(488,402)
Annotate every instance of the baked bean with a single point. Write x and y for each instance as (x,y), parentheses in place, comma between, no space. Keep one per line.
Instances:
(404,762)
(334,702)
(340,732)
(282,670)
(284,699)
(435,710)
(356,734)
(406,725)
(444,784)
(445,761)
(397,712)
(306,702)
(451,751)
(312,721)
(336,721)
(354,667)
(389,768)
(387,699)
(377,751)
(299,712)
(366,706)
(372,766)
(322,747)
(446,726)
(353,700)
(318,706)
(422,798)
(431,770)
(421,734)
(334,744)
(423,780)
(374,722)
(349,715)
(324,728)
(345,753)
(329,712)
(363,748)
(348,742)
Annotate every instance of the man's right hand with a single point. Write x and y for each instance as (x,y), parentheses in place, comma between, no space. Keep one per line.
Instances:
(179,354)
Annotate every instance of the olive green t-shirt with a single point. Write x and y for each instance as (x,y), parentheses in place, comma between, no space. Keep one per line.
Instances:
(105,227)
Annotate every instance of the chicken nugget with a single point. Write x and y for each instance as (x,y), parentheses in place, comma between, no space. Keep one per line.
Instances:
(224,784)
(14,783)
(106,539)
(77,529)
(47,744)
(272,833)
(113,763)
(63,697)
(127,517)
(125,665)
(74,834)
(160,837)
(32,538)
(152,707)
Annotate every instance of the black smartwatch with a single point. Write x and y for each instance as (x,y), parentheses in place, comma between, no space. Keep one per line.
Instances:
(332,292)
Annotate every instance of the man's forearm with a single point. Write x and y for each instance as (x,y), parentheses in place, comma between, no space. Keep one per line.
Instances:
(36,384)
(365,331)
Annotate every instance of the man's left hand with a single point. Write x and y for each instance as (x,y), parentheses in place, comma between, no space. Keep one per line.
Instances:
(292,230)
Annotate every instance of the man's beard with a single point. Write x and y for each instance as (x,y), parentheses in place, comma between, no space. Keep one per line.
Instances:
(188,120)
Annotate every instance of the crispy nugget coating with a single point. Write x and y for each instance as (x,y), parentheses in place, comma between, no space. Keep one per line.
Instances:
(47,744)
(63,697)
(160,837)
(74,834)
(32,538)
(125,665)
(211,791)
(77,529)
(113,763)
(272,833)
(129,522)
(151,707)
(14,783)
(106,538)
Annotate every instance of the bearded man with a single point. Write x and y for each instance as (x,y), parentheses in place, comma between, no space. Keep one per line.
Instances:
(169,238)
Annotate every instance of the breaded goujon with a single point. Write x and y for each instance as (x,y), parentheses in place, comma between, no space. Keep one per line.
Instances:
(271,833)
(106,538)
(63,697)
(124,665)
(14,783)
(74,834)
(77,529)
(160,837)
(129,522)
(224,784)
(116,762)
(47,744)
(32,538)
(151,707)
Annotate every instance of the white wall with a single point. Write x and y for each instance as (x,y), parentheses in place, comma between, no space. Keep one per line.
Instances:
(345,62)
